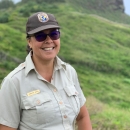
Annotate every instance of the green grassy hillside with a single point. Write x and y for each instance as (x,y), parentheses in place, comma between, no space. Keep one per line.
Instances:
(98,49)
(110,9)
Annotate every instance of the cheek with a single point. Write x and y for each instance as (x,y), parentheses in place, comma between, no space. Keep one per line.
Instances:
(58,43)
(36,44)
(58,46)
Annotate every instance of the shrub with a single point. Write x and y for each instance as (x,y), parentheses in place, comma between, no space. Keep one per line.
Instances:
(4,18)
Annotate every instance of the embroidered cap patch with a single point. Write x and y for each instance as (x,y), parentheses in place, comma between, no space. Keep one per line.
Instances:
(43,17)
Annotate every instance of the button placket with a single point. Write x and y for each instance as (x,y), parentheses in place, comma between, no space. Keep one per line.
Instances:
(62,107)
(64,116)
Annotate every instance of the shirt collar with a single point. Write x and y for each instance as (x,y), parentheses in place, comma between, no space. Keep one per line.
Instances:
(59,64)
(29,64)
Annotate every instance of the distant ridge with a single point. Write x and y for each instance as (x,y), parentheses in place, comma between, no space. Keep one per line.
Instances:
(113,10)
(101,5)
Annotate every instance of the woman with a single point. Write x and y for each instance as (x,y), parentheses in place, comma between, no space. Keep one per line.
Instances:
(43,93)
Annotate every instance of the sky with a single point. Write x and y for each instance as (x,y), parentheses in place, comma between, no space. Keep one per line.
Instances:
(15,1)
(126,4)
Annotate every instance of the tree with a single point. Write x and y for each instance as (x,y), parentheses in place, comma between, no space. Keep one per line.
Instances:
(6,4)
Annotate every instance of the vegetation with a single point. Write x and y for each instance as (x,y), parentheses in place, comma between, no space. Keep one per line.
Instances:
(110,9)
(98,49)
(4,4)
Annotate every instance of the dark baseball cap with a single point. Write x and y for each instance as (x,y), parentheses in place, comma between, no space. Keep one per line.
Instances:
(40,21)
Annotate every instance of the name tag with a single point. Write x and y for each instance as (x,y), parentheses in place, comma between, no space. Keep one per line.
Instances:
(33,92)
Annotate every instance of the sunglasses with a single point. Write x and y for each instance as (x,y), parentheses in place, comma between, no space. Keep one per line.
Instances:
(41,36)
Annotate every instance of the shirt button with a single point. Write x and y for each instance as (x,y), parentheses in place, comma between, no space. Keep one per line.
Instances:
(23,64)
(54,90)
(38,102)
(65,116)
(76,93)
(60,102)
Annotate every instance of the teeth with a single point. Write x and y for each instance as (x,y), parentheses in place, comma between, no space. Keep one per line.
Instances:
(48,49)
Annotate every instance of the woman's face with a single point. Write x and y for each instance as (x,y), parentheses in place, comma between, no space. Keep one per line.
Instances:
(44,50)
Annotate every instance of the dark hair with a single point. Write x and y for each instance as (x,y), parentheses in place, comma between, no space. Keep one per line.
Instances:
(28,49)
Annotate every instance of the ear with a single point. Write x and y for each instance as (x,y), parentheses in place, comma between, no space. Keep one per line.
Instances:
(29,42)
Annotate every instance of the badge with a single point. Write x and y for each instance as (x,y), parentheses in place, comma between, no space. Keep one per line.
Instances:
(33,93)
(43,17)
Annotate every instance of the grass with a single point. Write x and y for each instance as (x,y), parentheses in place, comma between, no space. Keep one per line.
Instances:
(108,118)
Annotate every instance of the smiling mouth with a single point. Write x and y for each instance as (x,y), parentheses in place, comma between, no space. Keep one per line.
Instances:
(48,48)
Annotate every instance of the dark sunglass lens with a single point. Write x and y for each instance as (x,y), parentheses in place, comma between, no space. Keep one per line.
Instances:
(55,35)
(40,36)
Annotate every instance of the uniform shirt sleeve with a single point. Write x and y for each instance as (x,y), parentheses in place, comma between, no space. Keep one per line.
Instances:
(74,76)
(9,104)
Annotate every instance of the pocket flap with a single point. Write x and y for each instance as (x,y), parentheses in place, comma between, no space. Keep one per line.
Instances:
(71,90)
(36,100)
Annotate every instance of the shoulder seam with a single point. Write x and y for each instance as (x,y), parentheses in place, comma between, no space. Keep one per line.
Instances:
(16,70)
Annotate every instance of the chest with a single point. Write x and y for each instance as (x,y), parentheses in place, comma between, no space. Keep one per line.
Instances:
(42,102)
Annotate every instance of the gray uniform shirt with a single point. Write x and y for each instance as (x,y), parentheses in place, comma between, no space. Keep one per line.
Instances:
(29,102)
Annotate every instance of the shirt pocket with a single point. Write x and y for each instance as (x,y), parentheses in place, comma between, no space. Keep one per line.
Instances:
(73,98)
(38,108)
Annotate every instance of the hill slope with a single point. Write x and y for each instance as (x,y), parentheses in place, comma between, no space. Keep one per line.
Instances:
(110,9)
(98,49)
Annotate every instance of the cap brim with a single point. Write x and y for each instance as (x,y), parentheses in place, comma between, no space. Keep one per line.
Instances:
(43,28)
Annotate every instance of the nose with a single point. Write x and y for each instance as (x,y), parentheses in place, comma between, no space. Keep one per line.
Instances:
(48,39)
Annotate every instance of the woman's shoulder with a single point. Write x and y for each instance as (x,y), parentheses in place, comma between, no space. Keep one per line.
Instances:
(16,70)
(67,66)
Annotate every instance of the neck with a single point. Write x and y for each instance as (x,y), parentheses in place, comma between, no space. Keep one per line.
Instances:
(45,68)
